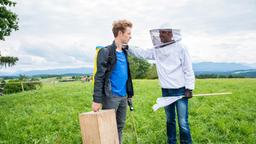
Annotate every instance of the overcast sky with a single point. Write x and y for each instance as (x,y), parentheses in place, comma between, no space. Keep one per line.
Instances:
(64,33)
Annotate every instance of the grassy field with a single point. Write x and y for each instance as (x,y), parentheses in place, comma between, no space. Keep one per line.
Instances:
(51,114)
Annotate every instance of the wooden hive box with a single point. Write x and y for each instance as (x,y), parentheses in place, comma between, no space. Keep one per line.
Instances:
(99,127)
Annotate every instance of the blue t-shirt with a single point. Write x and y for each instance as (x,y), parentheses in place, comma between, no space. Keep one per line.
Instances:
(119,75)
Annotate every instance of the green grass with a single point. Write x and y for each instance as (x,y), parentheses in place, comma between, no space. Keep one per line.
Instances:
(51,114)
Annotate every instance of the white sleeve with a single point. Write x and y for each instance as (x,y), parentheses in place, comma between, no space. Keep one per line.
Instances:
(141,53)
(187,69)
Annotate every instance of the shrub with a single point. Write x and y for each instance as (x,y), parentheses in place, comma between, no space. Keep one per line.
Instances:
(15,86)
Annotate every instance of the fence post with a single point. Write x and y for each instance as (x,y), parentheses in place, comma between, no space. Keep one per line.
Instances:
(22,86)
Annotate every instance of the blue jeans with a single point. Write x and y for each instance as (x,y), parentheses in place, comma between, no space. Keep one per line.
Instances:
(182,112)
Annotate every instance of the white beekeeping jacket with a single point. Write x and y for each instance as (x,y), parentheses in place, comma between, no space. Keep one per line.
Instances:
(173,63)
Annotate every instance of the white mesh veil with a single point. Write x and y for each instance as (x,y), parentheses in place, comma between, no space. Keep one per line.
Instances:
(163,37)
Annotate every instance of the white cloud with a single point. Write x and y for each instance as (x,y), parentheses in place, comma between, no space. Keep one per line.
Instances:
(64,33)
(232,47)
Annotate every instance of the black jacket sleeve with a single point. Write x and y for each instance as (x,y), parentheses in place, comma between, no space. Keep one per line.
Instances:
(99,79)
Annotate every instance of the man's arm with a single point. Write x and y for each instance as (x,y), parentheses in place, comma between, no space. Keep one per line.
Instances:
(141,53)
(102,59)
(188,72)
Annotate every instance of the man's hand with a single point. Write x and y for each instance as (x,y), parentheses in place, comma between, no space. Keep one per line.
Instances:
(96,106)
(129,101)
(188,93)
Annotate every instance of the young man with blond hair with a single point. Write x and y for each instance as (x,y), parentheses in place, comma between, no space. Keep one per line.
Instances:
(113,83)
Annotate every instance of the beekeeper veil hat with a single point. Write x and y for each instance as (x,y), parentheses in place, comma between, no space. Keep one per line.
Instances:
(164,35)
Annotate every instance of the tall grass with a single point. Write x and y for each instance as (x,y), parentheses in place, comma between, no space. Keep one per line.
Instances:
(51,114)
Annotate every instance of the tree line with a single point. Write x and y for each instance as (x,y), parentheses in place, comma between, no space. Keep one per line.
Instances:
(142,69)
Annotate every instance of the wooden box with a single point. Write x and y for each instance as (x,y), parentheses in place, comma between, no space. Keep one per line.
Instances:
(99,127)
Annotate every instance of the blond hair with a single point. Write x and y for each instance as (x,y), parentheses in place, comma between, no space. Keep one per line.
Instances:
(120,25)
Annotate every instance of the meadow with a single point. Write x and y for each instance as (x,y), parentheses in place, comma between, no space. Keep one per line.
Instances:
(51,114)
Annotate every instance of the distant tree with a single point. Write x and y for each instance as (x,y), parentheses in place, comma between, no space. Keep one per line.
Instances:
(23,77)
(35,79)
(152,72)
(138,67)
(8,23)
(8,60)
(59,77)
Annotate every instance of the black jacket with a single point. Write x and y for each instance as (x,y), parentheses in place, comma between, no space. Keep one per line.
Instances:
(106,61)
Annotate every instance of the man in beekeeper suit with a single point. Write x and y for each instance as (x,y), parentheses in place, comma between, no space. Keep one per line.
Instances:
(176,76)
